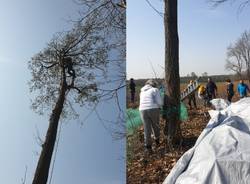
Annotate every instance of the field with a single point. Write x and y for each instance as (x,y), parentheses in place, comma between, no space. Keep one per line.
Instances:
(154,168)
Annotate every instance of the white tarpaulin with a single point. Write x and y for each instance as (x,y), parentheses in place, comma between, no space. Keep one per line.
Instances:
(221,155)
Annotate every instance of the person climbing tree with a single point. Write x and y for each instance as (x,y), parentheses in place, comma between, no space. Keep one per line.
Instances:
(54,92)
(68,64)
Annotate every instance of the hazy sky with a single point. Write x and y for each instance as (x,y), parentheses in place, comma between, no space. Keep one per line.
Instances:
(86,154)
(204,35)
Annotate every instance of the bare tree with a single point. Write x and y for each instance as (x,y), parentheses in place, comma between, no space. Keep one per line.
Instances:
(193,75)
(241,3)
(244,47)
(204,74)
(234,61)
(112,21)
(238,55)
(172,76)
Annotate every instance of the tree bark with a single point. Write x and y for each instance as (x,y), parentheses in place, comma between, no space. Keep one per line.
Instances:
(172,77)
(42,170)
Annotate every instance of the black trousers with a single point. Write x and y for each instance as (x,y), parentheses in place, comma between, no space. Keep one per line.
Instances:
(192,99)
(229,97)
(132,96)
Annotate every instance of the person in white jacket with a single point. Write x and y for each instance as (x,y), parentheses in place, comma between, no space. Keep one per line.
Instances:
(150,104)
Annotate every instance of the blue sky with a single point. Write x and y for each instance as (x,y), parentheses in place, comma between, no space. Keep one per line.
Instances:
(86,154)
(204,35)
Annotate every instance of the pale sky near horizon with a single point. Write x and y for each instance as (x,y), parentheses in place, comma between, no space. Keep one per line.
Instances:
(86,154)
(204,35)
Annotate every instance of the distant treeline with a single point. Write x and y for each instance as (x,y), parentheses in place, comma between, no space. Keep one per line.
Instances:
(215,78)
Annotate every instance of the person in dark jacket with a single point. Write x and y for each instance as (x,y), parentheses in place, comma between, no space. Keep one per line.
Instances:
(211,89)
(132,90)
(230,90)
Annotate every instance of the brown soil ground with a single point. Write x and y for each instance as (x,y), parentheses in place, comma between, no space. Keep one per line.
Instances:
(143,168)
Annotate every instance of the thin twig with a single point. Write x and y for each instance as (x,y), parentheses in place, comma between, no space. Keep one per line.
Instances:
(157,11)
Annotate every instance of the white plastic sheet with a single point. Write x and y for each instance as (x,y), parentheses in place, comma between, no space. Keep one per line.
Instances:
(221,155)
(219,103)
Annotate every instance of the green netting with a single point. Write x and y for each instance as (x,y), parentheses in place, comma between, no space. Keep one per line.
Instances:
(133,118)
(183,112)
(162,91)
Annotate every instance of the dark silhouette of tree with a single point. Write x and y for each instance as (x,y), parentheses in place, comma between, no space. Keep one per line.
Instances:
(218,2)
(238,56)
(112,21)
(56,90)
(172,77)
(204,74)
(241,3)
(193,75)
(74,68)
(234,61)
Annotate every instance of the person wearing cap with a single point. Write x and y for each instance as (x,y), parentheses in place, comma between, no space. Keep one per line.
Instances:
(150,104)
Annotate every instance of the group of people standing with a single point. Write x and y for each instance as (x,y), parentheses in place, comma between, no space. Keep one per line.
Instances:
(210,91)
(151,102)
(207,93)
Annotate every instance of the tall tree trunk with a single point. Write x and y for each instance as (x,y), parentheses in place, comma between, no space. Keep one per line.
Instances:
(42,170)
(172,77)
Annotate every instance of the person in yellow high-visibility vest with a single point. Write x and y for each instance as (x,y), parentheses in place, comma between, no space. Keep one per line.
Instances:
(202,94)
